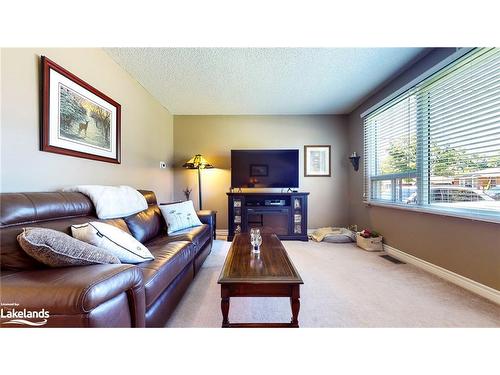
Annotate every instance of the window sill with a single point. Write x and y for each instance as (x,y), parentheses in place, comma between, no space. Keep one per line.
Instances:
(462,214)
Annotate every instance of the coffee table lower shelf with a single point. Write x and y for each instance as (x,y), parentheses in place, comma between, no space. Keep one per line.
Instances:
(290,290)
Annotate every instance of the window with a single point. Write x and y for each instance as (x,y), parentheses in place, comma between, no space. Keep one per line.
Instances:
(390,141)
(437,145)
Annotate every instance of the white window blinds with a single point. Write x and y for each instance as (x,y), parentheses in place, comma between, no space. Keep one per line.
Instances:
(438,144)
(390,150)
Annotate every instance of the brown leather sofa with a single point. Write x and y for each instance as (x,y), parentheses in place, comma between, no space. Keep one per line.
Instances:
(123,295)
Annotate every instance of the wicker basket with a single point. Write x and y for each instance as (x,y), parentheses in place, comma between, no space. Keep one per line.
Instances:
(369,244)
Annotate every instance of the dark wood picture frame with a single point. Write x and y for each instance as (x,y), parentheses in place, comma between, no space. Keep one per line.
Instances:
(327,148)
(46,66)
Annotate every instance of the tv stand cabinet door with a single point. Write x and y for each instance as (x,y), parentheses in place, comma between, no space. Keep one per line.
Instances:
(298,226)
(236,215)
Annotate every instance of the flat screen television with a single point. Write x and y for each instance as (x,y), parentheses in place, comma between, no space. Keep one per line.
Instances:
(265,168)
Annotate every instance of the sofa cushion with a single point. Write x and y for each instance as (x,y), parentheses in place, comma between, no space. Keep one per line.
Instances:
(57,249)
(197,235)
(170,259)
(72,291)
(147,224)
(149,195)
(24,208)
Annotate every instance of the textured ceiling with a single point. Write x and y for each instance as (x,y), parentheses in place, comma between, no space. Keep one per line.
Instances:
(261,81)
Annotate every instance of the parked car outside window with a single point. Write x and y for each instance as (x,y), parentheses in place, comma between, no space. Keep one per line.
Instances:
(452,194)
(494,193)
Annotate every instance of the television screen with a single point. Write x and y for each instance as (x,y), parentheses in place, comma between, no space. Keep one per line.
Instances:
(265,168)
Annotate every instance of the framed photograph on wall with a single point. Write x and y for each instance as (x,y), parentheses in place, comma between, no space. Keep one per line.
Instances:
(317,161)
(77,119)
(259,170)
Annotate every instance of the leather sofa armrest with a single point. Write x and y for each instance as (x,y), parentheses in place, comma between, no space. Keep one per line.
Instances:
(206,216)
(76,290)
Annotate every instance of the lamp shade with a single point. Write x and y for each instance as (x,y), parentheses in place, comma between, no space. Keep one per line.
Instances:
(197,162)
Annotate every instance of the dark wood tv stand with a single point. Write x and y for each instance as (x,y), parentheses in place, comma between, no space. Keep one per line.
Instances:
(284,214)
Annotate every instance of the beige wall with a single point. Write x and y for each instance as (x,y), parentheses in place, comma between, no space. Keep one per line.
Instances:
(469,248)
(147,127)
(215,136)
(149,132)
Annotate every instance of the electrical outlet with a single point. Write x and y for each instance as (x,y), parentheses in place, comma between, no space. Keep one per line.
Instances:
(163,165)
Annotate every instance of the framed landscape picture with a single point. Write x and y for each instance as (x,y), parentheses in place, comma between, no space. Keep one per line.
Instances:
(77,119)
(317,161)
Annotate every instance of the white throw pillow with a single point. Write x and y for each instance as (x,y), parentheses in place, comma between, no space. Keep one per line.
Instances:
(114,240)
(113,201)
(180,216)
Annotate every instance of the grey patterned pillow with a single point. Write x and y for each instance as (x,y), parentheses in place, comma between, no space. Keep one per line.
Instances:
(57,249)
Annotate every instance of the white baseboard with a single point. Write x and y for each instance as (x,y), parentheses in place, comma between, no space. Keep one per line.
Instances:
(462,281)
(221,232)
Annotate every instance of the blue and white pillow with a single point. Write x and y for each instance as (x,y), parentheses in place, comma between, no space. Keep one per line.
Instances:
(180,216)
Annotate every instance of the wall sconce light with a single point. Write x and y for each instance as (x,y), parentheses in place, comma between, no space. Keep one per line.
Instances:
(354,158)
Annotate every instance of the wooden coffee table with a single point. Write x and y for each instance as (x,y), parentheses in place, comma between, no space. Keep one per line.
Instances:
(269,274)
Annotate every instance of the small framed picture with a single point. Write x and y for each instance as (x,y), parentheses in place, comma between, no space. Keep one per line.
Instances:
(259,170)
(317,161)
(77,119)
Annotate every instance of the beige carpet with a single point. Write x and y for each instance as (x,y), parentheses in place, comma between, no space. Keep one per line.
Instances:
(343,287)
